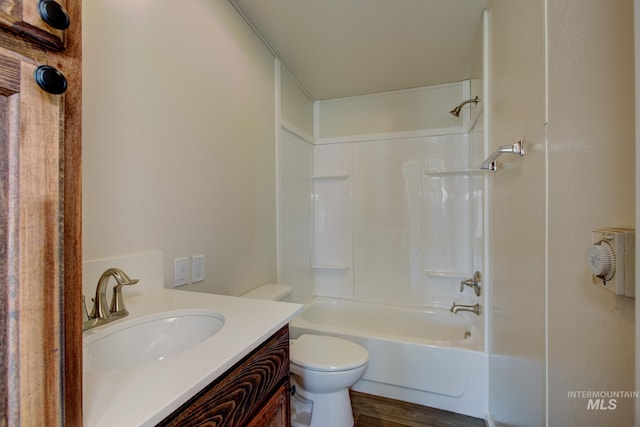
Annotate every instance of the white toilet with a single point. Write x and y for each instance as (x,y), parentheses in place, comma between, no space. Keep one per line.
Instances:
(322,369)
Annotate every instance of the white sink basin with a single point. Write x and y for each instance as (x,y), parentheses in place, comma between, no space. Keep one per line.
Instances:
(147,339)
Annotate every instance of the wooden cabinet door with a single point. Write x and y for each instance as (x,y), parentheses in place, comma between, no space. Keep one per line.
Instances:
(232,399)
(22,17)
(275,413)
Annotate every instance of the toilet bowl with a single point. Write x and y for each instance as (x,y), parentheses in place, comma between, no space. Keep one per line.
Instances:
(322,370)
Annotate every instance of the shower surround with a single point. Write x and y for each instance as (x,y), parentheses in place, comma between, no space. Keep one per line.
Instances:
(394,224)
(397,221)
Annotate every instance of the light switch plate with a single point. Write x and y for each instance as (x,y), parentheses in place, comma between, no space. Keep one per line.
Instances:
(197,268)
(180,271)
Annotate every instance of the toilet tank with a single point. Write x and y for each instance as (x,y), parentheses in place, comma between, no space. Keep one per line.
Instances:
(271,291)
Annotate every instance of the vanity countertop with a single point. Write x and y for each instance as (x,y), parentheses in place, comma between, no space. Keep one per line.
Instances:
(145,394)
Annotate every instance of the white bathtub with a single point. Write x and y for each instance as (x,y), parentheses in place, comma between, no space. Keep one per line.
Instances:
(415,355)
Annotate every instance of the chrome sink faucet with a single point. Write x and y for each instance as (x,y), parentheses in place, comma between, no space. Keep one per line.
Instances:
(475,309)
(103,313)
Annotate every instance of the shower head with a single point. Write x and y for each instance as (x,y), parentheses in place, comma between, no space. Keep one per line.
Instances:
(456,111)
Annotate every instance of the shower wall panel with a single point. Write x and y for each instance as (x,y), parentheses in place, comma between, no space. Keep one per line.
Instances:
(387,221)
(332,226)
(448,208)
(397,221)
(294,212)
(397,111)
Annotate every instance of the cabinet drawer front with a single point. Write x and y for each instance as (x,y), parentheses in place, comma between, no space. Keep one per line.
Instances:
(236,396)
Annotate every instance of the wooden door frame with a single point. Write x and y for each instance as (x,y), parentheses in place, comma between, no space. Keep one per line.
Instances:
(72,237)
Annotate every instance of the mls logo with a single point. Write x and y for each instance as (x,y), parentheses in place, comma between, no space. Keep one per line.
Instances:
(602,404)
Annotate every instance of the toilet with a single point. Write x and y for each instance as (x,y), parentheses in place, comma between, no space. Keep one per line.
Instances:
(322,370)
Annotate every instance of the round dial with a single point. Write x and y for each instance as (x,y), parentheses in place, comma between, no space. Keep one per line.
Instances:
(602,260)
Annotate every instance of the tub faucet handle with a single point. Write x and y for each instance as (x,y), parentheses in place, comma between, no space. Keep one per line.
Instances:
(474,283)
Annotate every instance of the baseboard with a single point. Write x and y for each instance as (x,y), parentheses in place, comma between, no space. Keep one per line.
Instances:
(489,420)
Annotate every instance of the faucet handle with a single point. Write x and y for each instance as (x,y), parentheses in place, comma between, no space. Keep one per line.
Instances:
(473,283)
(117,301)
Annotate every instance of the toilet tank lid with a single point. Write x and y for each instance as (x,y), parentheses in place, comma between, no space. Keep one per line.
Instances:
(269,291)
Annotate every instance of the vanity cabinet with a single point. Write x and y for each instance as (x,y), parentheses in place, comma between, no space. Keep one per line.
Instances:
(40,252)
(253,393)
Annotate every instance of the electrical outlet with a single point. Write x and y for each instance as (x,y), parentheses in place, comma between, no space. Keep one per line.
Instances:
(180,271)
(197,268)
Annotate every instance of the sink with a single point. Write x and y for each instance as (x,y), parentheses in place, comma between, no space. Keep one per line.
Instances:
(147,339)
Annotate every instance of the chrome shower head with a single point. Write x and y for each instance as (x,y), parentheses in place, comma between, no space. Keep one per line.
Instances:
(456,111)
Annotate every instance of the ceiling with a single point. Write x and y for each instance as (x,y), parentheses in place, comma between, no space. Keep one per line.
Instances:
(338,48)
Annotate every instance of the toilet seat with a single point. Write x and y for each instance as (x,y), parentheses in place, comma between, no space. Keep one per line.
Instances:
(328,354)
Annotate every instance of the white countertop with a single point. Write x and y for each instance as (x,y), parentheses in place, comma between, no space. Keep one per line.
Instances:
(145,394)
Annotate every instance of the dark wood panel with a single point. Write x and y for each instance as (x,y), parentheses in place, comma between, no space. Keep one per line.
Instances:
(275,412)
(9,75)
(239,395)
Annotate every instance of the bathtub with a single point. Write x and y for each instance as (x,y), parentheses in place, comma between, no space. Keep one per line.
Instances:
(431,357)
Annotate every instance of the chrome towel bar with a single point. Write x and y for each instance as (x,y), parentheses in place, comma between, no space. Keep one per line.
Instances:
(490,163)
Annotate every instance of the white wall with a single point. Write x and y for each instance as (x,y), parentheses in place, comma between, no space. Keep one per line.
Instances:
(552,331)
(591,176)
(517,212)
(179,139)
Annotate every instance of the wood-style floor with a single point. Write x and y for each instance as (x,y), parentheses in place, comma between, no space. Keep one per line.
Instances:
(375,411)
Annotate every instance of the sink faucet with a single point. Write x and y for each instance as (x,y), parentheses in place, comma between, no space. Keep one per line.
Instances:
(475,309)
(101,312)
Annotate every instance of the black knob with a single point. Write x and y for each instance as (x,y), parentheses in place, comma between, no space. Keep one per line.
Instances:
(54,14)
(50,79)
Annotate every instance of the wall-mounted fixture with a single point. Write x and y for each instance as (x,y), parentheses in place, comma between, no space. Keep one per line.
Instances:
(492,165)
(102,313)
(456,111)
(475,309)
(611,259)
(474,283)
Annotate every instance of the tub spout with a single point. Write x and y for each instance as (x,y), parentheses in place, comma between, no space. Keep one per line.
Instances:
(475,309)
